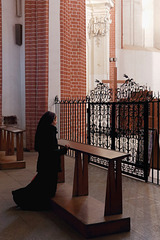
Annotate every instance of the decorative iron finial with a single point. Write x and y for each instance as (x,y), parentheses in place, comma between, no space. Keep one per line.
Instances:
(99,82)
(125,76)
(56,99)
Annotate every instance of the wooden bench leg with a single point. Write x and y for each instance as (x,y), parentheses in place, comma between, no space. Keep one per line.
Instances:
(85,174)
(61,175)
(113,202)
(19,145)
(119,186)
(2,140)
(10,144)
(80,183)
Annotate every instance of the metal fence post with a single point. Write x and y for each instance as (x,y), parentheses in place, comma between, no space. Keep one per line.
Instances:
(146,141)
(113,127)
(88,123)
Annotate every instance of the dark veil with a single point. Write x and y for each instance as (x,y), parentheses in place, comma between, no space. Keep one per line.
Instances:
(43,125)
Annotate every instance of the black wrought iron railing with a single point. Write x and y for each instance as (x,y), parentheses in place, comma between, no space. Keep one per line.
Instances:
(131,124)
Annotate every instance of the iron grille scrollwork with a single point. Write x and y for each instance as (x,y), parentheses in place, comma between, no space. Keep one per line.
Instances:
(128,129)
(131,91)
(119,125)
(101,94)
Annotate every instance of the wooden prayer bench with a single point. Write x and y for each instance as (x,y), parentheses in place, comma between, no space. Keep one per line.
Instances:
(87,215)
(8,159)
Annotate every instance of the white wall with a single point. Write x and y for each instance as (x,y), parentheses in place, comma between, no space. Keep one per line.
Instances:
(137,65)
(138,23)
(13,59)
(13,64)
(54,52)
(141,65)
(156,23)
(97,47)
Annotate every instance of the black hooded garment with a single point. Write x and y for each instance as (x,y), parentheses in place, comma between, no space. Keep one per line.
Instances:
(37,194)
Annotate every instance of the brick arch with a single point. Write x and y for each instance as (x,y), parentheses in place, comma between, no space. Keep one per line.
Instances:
(36,64)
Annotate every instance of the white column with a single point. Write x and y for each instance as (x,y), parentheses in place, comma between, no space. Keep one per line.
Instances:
(98,32)
(54,52)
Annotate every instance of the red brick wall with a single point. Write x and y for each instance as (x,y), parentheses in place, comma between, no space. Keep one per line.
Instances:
(36,64)
(73,57)
(72,62)
(0,63)
(73,49)
(112,45)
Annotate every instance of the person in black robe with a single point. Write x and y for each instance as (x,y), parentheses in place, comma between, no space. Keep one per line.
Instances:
(37,194)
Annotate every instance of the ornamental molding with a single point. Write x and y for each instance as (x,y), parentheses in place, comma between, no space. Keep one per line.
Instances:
(100,3)
(98,18)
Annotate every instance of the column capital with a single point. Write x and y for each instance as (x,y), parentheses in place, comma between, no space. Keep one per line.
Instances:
(98,17)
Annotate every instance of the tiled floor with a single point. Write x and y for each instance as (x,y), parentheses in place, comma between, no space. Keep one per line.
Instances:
(141,202)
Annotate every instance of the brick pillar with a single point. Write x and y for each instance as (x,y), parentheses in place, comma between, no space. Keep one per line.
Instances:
(36,64)
(112,46)
(72,61)
(0,62)
(73,48)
